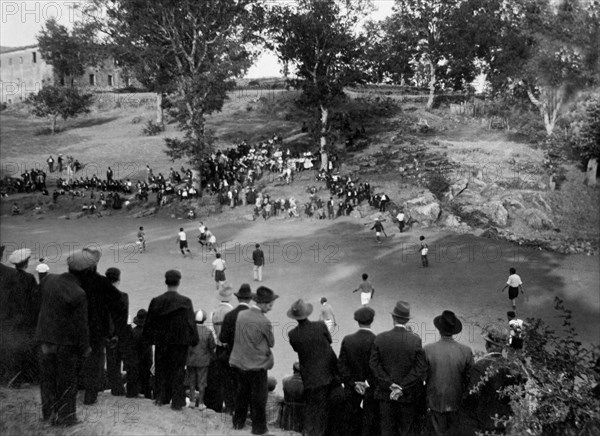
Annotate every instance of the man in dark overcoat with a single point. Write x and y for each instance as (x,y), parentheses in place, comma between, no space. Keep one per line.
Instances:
(104,303)
(171,327)
(357,376)
(318,367)
(62,331)
(18,312)
(399,365)
(227,337)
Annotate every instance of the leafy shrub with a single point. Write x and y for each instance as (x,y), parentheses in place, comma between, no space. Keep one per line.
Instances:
(585,137)
(153,129)
(558,397)
(554,158)
(438,184)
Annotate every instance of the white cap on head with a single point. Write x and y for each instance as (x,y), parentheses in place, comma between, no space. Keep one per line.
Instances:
(42,268)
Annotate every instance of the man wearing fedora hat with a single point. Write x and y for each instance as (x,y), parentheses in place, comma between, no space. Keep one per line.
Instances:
(318,366)
(398,363)
(227,337)
(171,327)
(357,376)
(252,357)
(449,363)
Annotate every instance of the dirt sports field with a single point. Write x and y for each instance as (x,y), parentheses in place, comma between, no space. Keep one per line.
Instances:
(305,259)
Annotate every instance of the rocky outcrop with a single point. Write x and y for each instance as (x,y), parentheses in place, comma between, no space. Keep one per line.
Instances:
(423,209)
(537,219)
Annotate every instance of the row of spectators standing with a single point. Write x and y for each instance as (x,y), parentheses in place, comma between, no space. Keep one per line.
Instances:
(385,383)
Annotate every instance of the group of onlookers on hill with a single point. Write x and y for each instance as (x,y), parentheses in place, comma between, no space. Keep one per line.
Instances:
(381,383)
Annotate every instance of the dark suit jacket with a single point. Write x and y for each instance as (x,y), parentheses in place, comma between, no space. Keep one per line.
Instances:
(227,335)
(171,321)
(397,357)
(318,363)
(355,355)
(104,302)
(63,318)
(19,304)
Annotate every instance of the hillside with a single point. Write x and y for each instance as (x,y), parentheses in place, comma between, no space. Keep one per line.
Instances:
(494,180)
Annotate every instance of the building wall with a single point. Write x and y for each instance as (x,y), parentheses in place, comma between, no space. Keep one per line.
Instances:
(21,76)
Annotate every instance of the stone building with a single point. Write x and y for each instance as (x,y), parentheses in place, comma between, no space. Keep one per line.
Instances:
(23,71)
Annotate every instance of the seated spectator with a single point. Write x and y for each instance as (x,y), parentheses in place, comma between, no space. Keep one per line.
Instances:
(274,403)
(139,365)
(198,360)
(15,209)
(292,416)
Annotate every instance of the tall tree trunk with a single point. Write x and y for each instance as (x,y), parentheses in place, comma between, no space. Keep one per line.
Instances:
(432,81)
(548,112)
(592,171)
(159,109)
(197,181)
(324,157)
(54,124)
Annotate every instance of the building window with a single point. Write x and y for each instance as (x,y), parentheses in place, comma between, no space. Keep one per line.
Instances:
(92,79)
(20,59)
(34,54)
(110,80)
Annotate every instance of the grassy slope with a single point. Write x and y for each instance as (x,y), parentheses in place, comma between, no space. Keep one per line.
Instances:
(111,136)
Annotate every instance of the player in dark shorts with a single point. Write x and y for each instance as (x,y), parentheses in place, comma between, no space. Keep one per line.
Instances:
(183,244)
(514,285)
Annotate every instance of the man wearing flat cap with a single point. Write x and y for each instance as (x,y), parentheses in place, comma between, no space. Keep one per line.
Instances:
(104,303)
(252,357)
(398,363)
(486,402)
(227,337)
(448,367)
(171,326)
(220,382)
(318,367)
(357,376)
(18,313)
(63,333)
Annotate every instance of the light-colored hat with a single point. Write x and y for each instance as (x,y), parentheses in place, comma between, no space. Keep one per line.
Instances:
(42,268)
(19,256)
(225,293)
(200,316)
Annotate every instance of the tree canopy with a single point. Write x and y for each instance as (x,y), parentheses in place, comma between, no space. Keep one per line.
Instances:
(320,40)
(55,101)
(69,52)
(197,47)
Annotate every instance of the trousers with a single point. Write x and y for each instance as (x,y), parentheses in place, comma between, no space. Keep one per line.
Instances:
(58,384)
